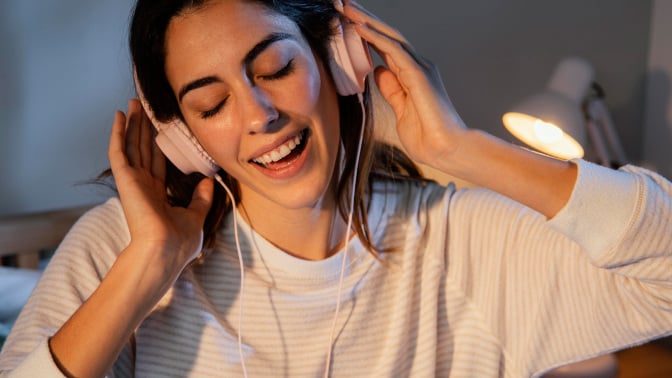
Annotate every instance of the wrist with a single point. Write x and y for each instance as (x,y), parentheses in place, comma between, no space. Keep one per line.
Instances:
(460,159)
(150,267)
(164,258)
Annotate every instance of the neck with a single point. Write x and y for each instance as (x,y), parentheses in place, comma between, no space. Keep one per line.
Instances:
(313,233)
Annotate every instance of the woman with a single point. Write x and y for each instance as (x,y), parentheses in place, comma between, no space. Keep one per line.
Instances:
(436,282)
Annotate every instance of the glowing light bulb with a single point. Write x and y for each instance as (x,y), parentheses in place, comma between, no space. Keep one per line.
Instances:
(546,132)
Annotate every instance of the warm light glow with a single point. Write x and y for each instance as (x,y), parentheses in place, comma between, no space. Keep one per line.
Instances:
(544,136)
(547,132)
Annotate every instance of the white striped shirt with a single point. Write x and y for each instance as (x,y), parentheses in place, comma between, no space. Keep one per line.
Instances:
(478,286)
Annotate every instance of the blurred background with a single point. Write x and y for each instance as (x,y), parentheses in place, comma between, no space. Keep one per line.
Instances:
(64,70)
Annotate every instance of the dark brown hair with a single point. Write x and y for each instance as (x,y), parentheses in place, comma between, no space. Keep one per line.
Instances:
(149,23)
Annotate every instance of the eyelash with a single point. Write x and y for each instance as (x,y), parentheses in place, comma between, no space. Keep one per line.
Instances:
(212,112)
(282,73)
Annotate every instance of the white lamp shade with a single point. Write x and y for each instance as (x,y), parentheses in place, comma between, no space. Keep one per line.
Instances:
(549,122)
(552,121)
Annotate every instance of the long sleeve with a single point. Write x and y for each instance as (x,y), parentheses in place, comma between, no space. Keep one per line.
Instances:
(595,278)
(620,218)
(78,266)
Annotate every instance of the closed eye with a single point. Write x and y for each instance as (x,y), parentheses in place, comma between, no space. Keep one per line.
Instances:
(212,112)
(283,72)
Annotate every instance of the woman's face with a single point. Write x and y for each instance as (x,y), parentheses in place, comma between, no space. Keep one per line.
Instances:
(258,100)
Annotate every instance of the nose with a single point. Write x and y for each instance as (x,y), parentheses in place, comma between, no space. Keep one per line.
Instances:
(257,110)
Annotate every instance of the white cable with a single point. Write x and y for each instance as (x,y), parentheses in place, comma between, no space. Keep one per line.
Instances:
(242,273)
(347,239)
(343,262)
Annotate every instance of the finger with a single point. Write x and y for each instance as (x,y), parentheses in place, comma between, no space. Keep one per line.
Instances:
(201,200)
(412,72)
(388,42)
(390,49)
(146,140)
(133,131)
(357,14)
(158,162)
(116,150)
(391,90)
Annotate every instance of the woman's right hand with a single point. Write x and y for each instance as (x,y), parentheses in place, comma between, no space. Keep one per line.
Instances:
(164,239)
(139,171)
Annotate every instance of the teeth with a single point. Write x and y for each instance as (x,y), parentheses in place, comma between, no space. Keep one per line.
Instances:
(280,152)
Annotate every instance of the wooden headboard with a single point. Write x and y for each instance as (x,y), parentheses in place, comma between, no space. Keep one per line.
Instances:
(24,236)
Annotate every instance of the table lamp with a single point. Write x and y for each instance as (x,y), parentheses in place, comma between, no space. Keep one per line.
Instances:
(570,111)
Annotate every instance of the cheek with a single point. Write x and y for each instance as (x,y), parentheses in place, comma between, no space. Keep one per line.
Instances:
(314,96)
(221,143)
(299,96)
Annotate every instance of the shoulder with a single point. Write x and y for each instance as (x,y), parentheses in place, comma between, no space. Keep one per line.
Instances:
(408,196)
(96,239)
(81,261)
(108,213)
(103,223)
(429,202)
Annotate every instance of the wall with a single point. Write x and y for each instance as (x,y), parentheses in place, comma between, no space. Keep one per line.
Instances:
(493,54)
(658,111)
(65,70)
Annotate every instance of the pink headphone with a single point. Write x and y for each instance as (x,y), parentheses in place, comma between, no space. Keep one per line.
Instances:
(349,64)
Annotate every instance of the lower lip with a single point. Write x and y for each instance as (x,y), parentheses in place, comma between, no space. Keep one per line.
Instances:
(291,168)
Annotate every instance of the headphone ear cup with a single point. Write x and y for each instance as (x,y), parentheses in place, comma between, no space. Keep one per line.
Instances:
(177,143)
(183,150)
(350,58)
(359,54)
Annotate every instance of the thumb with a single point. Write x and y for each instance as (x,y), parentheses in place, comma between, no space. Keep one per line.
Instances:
(391,89)
(201,200)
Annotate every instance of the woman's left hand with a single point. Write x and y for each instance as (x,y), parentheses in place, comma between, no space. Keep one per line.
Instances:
(433,133)
(428,125)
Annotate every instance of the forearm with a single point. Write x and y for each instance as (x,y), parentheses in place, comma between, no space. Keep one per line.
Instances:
(539,182)
(90,341)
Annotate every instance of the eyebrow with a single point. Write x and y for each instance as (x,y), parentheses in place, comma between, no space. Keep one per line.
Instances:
(249,57)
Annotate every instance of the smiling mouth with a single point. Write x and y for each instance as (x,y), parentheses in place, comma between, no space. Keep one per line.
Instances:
(284,154)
